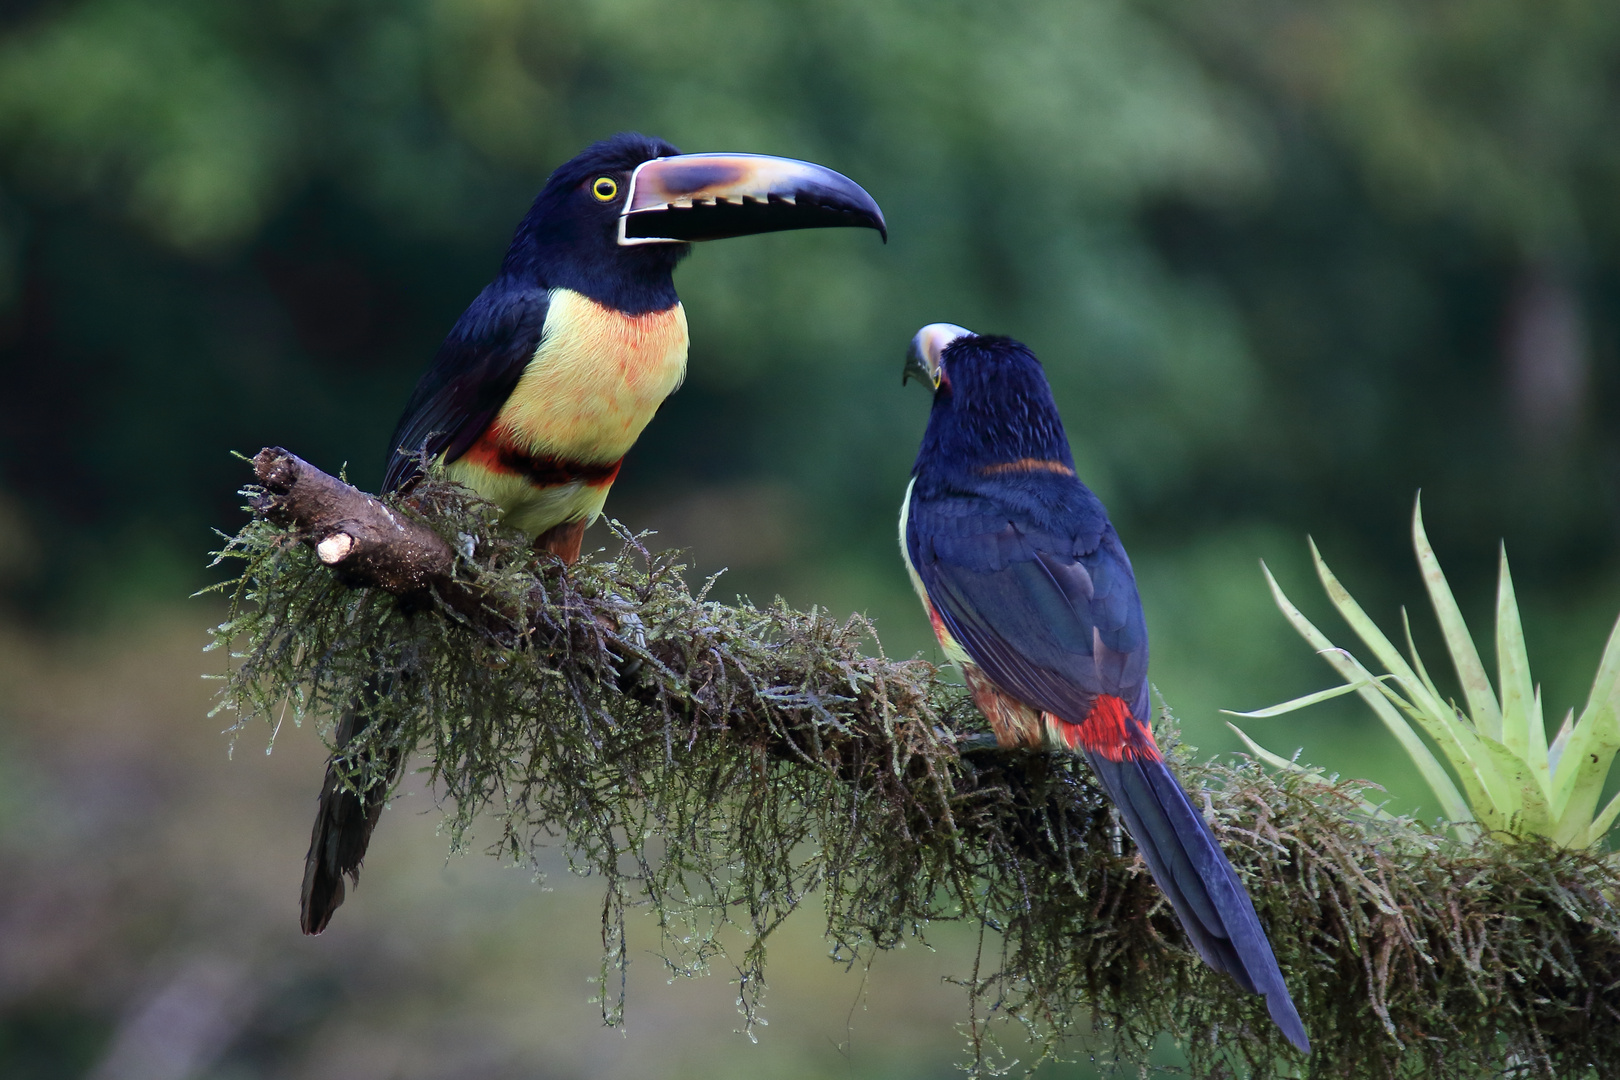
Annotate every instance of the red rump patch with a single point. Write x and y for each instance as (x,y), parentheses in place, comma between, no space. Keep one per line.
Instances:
(1110,731)
(494,452)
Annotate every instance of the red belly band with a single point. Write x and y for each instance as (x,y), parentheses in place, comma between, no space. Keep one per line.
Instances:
(494,453)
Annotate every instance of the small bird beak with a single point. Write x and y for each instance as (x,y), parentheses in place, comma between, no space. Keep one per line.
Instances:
(714,196)
(922,359)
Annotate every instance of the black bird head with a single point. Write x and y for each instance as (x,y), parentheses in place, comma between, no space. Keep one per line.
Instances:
(992,403)
(613,222)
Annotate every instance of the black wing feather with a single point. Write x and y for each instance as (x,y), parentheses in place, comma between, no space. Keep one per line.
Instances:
(471,377)
(1031,604)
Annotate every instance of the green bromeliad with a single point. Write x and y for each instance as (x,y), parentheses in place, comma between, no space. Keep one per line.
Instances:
(1512,781)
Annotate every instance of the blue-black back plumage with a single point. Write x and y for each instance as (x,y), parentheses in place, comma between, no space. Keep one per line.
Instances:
(993,405)
(472,375)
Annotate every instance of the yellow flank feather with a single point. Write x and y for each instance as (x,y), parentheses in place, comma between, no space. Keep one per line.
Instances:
(596,379)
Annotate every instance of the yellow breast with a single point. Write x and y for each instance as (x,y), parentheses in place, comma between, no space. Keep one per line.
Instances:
(595,380)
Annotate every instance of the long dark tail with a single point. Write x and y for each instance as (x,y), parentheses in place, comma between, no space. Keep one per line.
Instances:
(1193,872)
(348,810)
(358,782)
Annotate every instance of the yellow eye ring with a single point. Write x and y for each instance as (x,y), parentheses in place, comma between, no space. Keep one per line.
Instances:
(604,188)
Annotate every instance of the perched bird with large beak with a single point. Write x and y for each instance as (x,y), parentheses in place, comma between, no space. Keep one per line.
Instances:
(552,372)
(1031,594)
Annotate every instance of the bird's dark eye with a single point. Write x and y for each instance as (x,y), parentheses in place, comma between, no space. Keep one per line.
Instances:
(604,188)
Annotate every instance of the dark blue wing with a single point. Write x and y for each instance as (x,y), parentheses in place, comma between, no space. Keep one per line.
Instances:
(1041,596)
(1045,603)
(471,378)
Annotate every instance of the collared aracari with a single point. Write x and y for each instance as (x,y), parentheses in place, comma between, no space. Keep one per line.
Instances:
(1031,594)
(549,376)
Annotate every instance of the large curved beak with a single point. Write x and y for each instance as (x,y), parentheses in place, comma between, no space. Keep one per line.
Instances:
(713,196)
(922,359)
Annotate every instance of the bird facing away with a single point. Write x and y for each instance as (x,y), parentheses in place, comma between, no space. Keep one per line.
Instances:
(552,372)
(1031,594)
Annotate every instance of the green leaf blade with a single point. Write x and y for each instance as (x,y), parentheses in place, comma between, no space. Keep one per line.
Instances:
(1368,631)
(1521,800)
(1482,706)
(1298,703)
(1601,824)
(1452,803)
(1591,750)
(1417,660)
(1592,742)
(1523,732)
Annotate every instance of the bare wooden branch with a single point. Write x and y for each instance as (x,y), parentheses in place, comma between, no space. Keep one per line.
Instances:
(360,538)
(350,530)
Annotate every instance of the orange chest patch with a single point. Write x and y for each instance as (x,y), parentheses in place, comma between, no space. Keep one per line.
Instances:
(595,380)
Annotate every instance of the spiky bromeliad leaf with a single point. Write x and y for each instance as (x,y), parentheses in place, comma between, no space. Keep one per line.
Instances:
(1514,782)
(1370,690)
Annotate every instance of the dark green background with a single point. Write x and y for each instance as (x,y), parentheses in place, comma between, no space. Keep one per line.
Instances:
(1285,266)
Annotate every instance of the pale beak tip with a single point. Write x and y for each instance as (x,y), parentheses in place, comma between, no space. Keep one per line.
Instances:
(923,356)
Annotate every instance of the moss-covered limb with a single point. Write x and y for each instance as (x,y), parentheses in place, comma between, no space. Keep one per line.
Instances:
(717,765)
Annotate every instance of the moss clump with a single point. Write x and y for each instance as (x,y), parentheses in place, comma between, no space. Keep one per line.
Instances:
(720,765)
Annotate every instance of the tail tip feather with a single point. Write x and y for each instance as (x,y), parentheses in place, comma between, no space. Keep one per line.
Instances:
(1193,872)
(323,894)
(1286,1017)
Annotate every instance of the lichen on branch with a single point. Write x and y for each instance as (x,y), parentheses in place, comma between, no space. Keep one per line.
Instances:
(725,765)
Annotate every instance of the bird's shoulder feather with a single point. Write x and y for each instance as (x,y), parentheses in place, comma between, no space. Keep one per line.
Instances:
(472,375)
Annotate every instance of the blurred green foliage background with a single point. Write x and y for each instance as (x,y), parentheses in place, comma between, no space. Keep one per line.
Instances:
(1285,265)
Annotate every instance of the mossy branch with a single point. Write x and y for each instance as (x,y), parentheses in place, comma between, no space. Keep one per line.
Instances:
(721,765)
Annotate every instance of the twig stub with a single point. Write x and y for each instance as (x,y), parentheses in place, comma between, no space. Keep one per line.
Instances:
(351,530)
